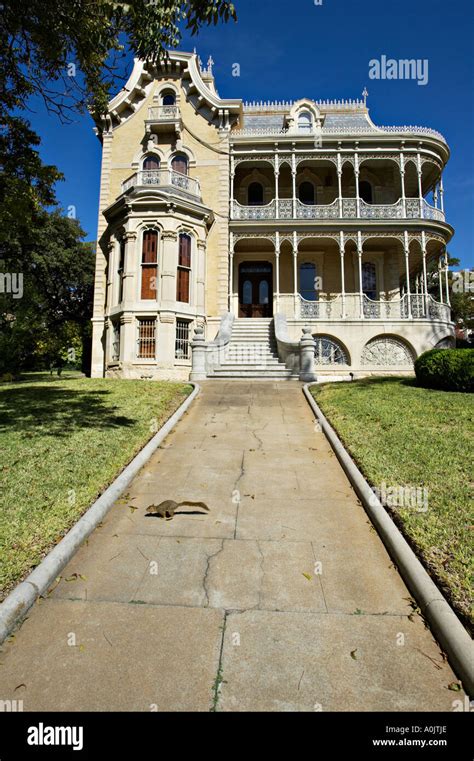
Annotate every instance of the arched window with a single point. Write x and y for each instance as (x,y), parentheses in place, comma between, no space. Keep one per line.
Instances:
(247,292)
(255,194)
(149,264)
(151,163)
(306,193)
(328,352)
(180,164)
(184,268)
(168,98)
(365,191)
(263,292)
(305,121)
(308,281)
(369,280)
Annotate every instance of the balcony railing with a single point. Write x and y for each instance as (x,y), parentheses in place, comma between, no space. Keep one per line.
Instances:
(344,208)
(163,113)
(164,178)
(350,307)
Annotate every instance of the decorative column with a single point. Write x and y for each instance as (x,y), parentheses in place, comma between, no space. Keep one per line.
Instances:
(168,271)
(441,194)
(359,257)
(277,175)
(440,280)
(277,272)
(231,272)
(293,178)
(420,187)
(110,296)
(435,196)
(131,267)
(356,172)
(307,356)
(402,181)
(446,279)
(407,272)
(295,274)
(425,275)
(231,195)
(198,347)
(343,281)
(339,182)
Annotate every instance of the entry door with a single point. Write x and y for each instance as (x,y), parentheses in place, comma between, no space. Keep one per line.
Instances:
(255,289)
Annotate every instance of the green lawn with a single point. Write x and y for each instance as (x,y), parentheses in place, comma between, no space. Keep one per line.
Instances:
(62,441)
(402,435)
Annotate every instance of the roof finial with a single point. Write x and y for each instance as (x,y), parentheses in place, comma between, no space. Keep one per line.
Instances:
(365,95)
(210,64)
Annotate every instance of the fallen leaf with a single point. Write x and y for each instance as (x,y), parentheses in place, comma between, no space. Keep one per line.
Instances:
(454,686)
(307,576)
(353,654)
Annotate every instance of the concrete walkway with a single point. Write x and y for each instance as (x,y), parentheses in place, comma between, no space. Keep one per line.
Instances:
(282,598)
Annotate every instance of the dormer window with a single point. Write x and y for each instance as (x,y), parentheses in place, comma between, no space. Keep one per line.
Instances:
(305,121)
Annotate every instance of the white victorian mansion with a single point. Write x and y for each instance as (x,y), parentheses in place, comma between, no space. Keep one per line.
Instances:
(253,221)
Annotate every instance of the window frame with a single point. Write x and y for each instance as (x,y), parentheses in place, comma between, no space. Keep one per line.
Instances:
(148,265)
(184,268)
(140,320)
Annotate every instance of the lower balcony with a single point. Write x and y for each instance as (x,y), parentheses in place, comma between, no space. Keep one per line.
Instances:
(166,179)
(343,208)
(354,306)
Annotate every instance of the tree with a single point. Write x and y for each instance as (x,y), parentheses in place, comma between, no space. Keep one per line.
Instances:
(41,43)
(53,313)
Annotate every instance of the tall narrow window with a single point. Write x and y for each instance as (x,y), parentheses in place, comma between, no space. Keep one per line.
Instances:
(255,194)
(120,268)
(247,292)
(182,348)
(306,193)
(146,340)
(369,280)
(180,164)
(168,98)
(184,268)
(149,264)
(308,283)
(151,163)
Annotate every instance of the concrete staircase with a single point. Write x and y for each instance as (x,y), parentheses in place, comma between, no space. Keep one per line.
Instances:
(252,352)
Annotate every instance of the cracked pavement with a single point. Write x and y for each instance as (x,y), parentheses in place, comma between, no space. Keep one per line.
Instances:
(282,597)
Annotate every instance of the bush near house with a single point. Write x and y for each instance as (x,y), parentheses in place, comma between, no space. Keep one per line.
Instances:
(446,369)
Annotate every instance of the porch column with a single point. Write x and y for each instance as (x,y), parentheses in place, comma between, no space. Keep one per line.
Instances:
(356,172)
(402,180)
(231,270)
(420,187)
(441,194)
(425,276)
(277,175)
(435,196)
(361,293)
(446,279)
(295,274)
(407,272)
(440,280)
(343,282)
(232,175)
(293,178)
(277,271)
(339,182)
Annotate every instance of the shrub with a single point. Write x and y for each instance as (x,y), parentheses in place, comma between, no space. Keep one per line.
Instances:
(446,369)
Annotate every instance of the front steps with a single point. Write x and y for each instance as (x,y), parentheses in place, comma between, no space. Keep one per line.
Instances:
(252,352)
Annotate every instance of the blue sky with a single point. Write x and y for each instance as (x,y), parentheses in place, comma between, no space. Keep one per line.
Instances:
(292,50)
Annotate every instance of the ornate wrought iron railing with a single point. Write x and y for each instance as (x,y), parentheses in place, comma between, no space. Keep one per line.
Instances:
(411,209)
(349,306)
(163,113)
(165,178)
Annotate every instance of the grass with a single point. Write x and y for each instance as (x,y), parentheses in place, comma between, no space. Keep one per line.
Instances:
(62,442)
(402,435)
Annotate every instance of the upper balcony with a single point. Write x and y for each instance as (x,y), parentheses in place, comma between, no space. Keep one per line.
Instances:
(163,118)
(340,208)
(164,179)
